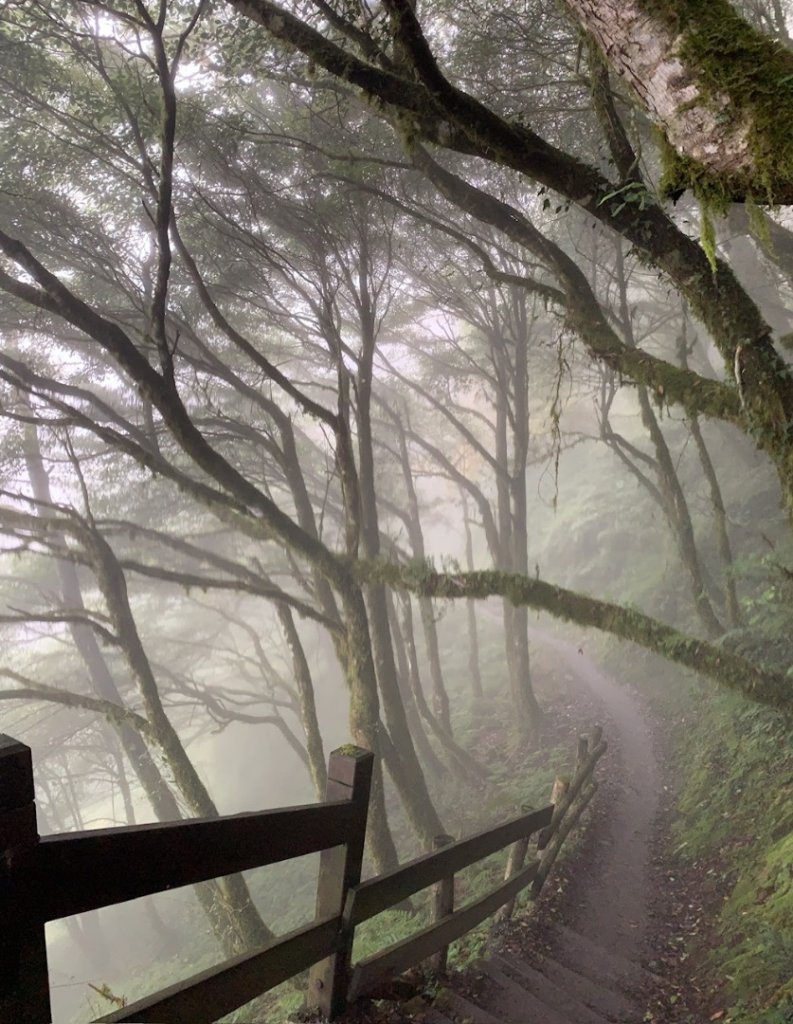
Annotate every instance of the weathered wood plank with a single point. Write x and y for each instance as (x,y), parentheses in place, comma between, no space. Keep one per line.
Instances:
(442,904)
(16,776)
(350,777)
(378,894)
(24,982)
(551,851)
(82,871)
(213,993)
(369,972)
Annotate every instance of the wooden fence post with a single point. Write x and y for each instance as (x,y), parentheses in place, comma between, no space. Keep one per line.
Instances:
(515,859)
(561,784)
(570,821)
(24,981)
(442,903)
(582,752)
(349,777)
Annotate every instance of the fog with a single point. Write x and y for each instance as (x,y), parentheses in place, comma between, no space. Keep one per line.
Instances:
(327,420)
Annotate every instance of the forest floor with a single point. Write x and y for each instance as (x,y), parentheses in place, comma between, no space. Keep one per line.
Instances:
(617,890)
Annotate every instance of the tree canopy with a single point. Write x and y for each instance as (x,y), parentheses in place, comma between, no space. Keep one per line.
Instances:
(283,287)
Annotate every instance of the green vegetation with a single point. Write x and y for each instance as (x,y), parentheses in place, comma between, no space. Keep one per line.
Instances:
(258,348)
(736,823)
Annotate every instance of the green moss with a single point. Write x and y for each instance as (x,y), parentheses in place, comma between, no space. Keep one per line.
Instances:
(349,750)
(681,174)
(755,75)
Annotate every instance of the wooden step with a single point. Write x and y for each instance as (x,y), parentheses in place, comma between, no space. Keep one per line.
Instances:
(432,1016)
(601,965)
(608,1002)
(463,1011)
(513,1002)
(563,1000)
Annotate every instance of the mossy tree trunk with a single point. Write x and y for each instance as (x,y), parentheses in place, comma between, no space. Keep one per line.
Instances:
(718,88)
(731,603)
(520,322)
(360,507)
(248,929)
(409,685)
(669,492)
(457,758)
(758,683)
(307,706)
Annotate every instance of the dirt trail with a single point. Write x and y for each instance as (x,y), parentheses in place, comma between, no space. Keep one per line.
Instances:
(614,898)
(583,957)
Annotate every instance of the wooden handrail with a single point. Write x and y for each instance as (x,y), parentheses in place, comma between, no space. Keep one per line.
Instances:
(379,894)
(412,950)
(586,767)
(81,871)
(56,876)
(213,993)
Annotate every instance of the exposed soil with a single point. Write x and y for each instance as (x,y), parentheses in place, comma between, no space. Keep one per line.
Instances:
(615,891)
(612,904)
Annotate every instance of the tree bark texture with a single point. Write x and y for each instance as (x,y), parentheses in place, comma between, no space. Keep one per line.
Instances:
(705,76)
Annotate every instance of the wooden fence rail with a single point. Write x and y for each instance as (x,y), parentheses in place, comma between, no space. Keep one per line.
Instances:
(42,879)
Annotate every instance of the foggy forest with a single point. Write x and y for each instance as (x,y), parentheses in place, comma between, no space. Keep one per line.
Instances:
(397,428)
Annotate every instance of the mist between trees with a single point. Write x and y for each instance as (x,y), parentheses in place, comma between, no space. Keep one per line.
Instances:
(322,325)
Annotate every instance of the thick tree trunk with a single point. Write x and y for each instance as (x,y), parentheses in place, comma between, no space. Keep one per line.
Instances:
(458,759)
(365,726)
(511,511)
(403,765)
(676,510)
(440,696)
(669,493)
(364,713)
(248,929)
(732,605)
(518,498)
(707,78)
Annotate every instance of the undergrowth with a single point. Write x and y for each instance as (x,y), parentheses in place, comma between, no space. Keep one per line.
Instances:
(736,821)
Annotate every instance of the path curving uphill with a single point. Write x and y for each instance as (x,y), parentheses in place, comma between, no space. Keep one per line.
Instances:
(591,969)
(615,892)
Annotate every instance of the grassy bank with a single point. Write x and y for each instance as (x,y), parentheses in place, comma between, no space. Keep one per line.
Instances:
(734,833)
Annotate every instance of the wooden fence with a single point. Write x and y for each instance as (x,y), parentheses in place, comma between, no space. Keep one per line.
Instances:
(45,878)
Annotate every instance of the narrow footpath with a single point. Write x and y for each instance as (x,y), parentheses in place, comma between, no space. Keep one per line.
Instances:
(591,968)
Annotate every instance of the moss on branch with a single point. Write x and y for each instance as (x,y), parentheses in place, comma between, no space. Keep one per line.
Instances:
(757,682)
